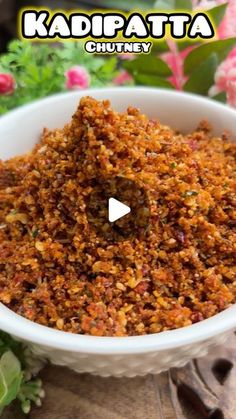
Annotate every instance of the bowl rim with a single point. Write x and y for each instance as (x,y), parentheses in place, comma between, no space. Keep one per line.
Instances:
(35,333)
(124,89)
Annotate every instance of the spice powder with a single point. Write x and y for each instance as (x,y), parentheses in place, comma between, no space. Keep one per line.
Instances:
(56,271)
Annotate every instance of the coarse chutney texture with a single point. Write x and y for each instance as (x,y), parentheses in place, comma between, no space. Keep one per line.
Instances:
(55,270)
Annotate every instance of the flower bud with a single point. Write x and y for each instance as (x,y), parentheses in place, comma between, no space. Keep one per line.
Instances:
(77,77)
(7,84)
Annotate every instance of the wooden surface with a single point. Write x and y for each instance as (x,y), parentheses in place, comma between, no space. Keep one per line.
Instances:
(204,389)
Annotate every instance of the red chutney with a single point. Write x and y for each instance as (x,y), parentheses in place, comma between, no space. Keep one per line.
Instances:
(55,270)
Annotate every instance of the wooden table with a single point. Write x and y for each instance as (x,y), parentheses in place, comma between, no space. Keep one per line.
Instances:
(204,389)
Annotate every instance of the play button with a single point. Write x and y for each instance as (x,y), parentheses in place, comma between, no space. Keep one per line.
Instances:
(117,210)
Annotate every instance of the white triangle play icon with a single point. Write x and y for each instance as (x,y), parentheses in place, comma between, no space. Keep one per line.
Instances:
(117,210)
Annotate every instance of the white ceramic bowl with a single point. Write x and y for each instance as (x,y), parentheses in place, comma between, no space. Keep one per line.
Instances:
(128,356)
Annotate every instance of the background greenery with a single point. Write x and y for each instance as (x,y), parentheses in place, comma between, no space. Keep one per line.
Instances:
(39,70)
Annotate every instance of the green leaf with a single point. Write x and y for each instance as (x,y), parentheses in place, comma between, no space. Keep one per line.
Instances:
(148,64)
(183,4)
(202,53)
(10,378)
(159,47)
(109,65)
(182,45)
(217,13)
(173,4)
(8,343)
(221,97)
(105,73)
(39,70)
(150,80)
(202,78)
(164,4)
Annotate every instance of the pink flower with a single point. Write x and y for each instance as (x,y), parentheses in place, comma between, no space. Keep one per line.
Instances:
(175,58)
(232,53)
(225,79)
(226,72)
(127,56)
(77,77)
(7,84)
(175,61)
(232,93)
(122,78)
(227,28)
